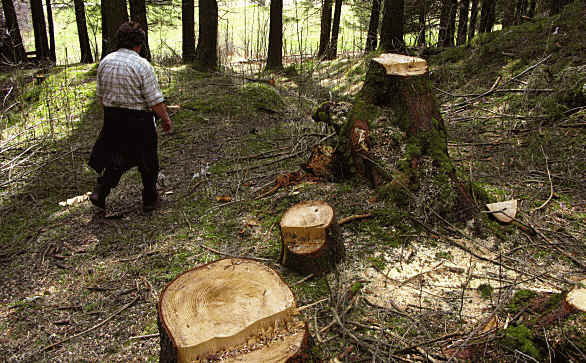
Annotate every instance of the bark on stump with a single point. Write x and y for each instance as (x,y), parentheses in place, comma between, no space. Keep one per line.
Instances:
(310,238)
(236,310)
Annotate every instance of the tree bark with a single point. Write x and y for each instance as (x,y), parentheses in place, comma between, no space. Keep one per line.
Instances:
(520,11)
(325,27)
(52,53)
(332,51)
(206,54)
(446,10)
(452,24)
(234,309)
(114,13)
(421,13)
(508,13)
(487,16)
(138,13)
(531,10)
(463,22)
(40,30)
(473,19)
(391,37)
(82,34)
(372,35)
(187,31)
(275,51)
(310,238)
(15,51)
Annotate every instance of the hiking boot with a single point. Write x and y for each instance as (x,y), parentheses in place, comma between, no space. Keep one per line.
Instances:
(98,197)
(151,206)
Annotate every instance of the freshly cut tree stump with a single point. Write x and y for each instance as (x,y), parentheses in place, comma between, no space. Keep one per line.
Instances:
(233,310)
(310,241)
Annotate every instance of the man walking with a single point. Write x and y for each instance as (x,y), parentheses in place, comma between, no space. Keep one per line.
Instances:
(128,89)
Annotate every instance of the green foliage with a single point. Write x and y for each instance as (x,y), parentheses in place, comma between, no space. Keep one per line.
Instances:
(520,300)
(485,291)
(521,338)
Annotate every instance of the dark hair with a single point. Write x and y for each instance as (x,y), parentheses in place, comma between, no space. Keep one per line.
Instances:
(130,35)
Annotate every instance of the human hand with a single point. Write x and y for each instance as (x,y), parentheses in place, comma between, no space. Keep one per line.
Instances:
(167,125)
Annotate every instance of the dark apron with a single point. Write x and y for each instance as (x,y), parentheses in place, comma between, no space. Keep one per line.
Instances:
(128,139)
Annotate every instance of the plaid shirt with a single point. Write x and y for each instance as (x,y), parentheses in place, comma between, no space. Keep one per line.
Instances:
(127,80)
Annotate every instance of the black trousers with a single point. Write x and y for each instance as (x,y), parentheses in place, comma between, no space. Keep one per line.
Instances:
(128,139)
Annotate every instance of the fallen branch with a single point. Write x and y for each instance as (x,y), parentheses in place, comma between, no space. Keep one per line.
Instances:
(353,218)
(550,183)
(232,256)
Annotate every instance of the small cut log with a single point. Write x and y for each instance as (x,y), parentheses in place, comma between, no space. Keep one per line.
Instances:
(233,310)
(310,238)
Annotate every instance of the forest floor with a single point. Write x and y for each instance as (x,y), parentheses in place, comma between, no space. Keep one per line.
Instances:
(78,284)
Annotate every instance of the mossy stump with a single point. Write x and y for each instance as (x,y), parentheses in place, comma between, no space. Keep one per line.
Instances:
(233,310)
(397,95)
(310,238)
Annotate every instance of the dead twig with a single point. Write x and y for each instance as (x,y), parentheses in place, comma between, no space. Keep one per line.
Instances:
(232,256)
(353,218)
(550,183)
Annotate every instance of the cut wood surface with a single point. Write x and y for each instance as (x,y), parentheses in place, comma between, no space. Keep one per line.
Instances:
(402,65)
(231,309)
(309,237)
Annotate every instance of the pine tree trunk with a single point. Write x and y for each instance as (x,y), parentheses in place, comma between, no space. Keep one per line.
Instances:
(487,16)
(325,27)
(508,13)
(15,50)
(463,22)
(332,51)
(391,37)
(206,53)
(372,35)
(421,13)
(114,13)
(452,24)
(52,53)
(473,19)
(520,11)
(188,31)
(84,41)
(40,30)
(532,6)
(442,39)
(275,51)
(138,13)
(230,310)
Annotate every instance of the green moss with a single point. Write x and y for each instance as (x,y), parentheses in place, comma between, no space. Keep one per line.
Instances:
(520,300)
(485,291)
(521,338)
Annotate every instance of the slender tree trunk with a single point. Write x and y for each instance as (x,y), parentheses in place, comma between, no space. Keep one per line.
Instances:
(188,31)
(40,30)
(391,37)
(444,21)
(463,22)
(114,13)
(520,11)
(421,13)
(275,52)
(332,51)
(52,54)
(325,27)
(473,19)
(16,52)
(206,53)
(531,10)
(138,13)
(487,16)
(84,41)
(452,24)
(508,13)
(371,37)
